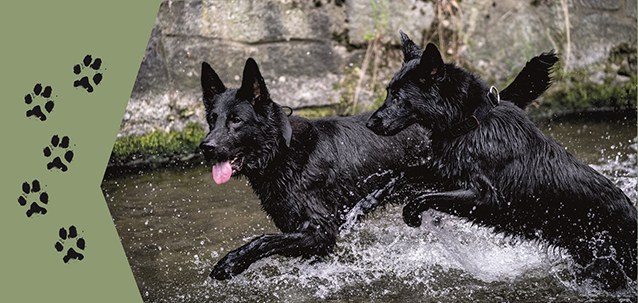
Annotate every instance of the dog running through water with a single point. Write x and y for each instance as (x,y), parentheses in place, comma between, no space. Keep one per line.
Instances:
(494,167)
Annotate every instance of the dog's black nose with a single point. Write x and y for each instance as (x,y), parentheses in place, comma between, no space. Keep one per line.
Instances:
(371,122)
(207,147)
(374,124)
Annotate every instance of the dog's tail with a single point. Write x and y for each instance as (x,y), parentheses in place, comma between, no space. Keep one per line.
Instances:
(532,81)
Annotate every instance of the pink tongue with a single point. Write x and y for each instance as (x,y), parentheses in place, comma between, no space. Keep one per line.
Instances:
(222,172)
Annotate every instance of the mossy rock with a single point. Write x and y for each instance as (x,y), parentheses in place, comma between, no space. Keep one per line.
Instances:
(575,94)
(158,146)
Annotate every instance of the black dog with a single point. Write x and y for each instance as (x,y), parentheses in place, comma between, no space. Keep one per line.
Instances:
(309,174)
(495,168)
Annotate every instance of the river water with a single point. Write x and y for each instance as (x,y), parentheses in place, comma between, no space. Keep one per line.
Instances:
(175,223)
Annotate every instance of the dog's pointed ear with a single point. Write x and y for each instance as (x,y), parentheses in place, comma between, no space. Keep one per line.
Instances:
(211,84)
(431,64)
(253,87)
(410,50)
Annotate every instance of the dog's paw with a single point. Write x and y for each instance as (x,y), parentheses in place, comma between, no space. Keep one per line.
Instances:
(28,191)
(228,267)
(371,201)
(94,68)
(40,102)
(70,238)
(57,161)
(411,216)
(221,273)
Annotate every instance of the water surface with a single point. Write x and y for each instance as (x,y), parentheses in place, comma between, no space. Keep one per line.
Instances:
(175,223)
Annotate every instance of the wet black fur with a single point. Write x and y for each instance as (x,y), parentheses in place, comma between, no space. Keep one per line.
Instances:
(506,174)
(308,174)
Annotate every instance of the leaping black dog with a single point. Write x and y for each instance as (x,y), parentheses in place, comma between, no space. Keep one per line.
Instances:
(495,168)
(309,174)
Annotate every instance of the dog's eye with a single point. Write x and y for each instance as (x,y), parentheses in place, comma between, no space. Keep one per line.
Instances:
(397,102)
(234,119)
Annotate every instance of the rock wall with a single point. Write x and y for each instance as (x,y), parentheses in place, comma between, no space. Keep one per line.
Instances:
(307,50)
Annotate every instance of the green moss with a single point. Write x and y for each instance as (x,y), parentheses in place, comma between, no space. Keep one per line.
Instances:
(574,92)
(158,145)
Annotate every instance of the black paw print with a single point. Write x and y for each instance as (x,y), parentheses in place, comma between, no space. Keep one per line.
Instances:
(27,191)
(69,236)
(41,94)
(57,161)
(84,81)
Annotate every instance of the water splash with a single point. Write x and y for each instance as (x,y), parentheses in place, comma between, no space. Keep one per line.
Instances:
(378,259)
(621,168)
(370,202)
(446,259)
(381,259)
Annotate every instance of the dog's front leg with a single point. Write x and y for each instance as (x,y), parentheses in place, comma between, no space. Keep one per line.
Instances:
(289,244)
(378,196)
(402,185)
(412,211)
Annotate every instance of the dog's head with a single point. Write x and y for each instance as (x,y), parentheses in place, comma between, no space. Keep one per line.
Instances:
(246,128)
(414,93)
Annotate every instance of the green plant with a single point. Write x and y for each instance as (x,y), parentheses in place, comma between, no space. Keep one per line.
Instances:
(572,91)
(158,145)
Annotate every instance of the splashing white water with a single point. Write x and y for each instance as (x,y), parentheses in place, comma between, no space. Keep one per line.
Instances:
(621,168)
(381,258)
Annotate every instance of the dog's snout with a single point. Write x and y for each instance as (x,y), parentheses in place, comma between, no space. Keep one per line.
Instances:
(375,125)
(370,124)
(207,147)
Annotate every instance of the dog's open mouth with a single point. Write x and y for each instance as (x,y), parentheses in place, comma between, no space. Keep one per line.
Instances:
(222,171)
